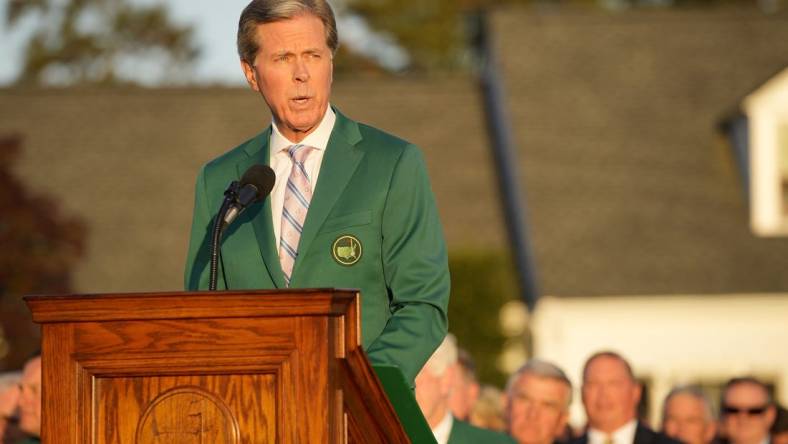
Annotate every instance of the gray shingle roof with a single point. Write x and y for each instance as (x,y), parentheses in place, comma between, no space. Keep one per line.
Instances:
(630,187)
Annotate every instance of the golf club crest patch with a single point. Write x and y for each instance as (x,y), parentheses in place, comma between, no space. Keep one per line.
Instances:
(346,250)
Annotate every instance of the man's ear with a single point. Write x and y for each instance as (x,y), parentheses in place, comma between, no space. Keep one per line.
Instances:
(560,426)
(447,380)
(250,74)
(637,393)
(771,414)
(711,430)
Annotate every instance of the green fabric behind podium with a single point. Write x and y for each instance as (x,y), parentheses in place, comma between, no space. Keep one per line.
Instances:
(404,401)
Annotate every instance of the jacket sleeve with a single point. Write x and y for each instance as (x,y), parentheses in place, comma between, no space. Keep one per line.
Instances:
(416,270)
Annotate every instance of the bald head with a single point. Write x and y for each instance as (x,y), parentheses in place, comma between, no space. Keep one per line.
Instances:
(610,391)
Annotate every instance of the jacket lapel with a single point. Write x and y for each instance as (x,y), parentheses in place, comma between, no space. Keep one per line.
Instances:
(339,163)
(258,152)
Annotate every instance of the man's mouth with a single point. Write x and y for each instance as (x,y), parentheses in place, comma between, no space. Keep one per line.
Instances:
(300,100)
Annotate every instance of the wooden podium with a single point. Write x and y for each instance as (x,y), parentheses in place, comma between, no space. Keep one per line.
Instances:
(212,368)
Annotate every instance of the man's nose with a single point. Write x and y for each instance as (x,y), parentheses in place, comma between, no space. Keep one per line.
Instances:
(301,72)
(530,410)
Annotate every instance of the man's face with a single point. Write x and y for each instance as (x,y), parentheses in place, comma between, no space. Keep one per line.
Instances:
(293,72)
(30,398)
(746,414)
(687,420)
(610,396)
(537,409)
(432,394)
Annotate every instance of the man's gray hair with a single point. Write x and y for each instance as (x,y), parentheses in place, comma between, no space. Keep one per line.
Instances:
(541,369)
(444,356)
(690,390)
(267,11)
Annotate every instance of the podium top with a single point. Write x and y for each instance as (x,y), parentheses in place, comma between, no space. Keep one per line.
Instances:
(194,305)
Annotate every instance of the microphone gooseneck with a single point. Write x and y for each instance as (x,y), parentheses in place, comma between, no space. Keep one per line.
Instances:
(255,185)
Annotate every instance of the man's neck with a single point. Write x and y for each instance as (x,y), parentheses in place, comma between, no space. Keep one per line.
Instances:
(764,440)
(438,415)
(610,428)
(295,135)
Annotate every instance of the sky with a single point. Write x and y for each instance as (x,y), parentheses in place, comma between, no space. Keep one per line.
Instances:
(215,23)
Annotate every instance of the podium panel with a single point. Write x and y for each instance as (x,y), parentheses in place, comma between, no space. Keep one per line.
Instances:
(200,367)
(221,409)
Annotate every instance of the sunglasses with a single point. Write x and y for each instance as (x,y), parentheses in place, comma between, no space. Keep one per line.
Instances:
(751,411)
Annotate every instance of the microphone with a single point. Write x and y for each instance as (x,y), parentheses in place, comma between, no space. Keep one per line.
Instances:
(256,184)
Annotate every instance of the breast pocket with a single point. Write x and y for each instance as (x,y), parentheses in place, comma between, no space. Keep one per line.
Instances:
(346,221)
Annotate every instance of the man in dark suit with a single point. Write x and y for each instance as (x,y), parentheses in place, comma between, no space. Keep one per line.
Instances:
(434,384)
(747,411)
(687,415)
(351,207)
(610,397)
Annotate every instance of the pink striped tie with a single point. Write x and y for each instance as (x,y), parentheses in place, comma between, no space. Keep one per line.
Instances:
(298,194)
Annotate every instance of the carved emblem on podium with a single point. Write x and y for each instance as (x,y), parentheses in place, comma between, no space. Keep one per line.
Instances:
(187,415)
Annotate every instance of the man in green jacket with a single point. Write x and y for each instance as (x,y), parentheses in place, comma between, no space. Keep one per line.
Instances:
(434,385)
(351,206)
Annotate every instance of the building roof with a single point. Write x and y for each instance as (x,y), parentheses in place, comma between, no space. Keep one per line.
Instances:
(126,161)
(629,188)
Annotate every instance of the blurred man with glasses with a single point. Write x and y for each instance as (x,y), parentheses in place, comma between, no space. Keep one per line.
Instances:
(747,411)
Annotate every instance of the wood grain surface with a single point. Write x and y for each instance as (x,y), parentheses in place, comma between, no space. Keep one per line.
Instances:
(222,367)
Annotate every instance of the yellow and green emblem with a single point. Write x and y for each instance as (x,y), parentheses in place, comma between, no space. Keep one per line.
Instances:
(346,250)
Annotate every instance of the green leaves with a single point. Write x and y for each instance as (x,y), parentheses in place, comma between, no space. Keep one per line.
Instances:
(90,41)
(18,8)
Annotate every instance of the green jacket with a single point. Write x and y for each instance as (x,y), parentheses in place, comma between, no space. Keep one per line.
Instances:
(464,433)
(373,187)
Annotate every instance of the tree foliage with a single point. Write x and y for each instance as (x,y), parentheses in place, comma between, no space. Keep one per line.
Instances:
(436,32)
(481,283)
(101,42)
(40,248)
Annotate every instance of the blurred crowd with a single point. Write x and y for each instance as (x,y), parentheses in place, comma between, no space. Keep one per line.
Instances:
(534,407)
(20,404)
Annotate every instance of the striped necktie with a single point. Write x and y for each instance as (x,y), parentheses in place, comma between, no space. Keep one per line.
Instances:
(298,194)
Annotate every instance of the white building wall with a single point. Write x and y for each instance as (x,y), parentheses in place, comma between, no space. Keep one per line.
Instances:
(767,111)
(668,339)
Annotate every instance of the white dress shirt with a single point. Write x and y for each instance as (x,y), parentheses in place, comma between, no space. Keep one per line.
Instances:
(443,429)
(623,435)
(281,163)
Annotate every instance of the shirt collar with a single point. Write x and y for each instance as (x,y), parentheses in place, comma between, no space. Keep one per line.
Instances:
(443,429)
(623,435)
(317,138)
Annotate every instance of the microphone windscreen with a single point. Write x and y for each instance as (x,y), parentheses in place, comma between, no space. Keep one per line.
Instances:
(261,177)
